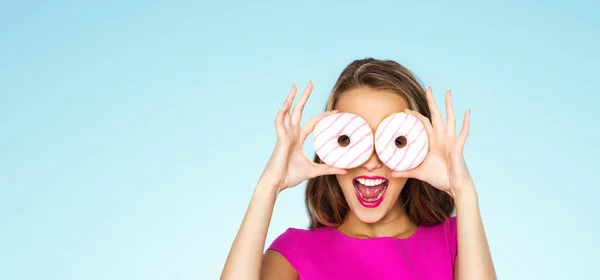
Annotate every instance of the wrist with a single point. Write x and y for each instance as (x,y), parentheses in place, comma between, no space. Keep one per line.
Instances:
(465,198)
(466,190)
(266,190)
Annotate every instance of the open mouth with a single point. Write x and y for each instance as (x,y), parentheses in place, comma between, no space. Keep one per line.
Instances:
(370,190)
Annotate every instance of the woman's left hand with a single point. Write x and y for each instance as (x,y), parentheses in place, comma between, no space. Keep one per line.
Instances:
(444,167)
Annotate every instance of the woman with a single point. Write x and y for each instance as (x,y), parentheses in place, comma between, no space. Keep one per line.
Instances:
(409,234)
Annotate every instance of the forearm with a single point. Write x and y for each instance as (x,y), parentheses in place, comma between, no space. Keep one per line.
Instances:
(474,257)
(245,256)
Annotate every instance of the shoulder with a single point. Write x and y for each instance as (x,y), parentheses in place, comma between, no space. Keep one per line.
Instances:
(294,238)
(444,233)
(449,226)
(450,232)
(293,243)
(446,227)
(286,244)
(291,252)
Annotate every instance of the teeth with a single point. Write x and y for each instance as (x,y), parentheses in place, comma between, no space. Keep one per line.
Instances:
(370,182)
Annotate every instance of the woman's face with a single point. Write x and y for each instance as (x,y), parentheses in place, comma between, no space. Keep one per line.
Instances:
(369,189)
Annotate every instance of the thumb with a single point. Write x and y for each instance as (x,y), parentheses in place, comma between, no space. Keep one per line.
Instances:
(413,173)
(324,169)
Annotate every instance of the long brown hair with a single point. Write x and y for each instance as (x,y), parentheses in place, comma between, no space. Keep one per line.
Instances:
(424,204)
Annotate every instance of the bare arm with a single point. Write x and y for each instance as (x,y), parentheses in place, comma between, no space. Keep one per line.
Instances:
(287,167)
(246,260)
(245,255)
(474,259)
(445,168)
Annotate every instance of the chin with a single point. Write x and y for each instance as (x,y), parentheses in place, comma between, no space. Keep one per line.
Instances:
(371,198)
(368,216)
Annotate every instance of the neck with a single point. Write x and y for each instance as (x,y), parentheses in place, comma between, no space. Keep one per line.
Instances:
(395,224)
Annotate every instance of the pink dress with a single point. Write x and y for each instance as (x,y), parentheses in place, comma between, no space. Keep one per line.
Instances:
(326,253)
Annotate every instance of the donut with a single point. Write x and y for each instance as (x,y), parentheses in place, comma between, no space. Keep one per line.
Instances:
(343,140)
(401,142)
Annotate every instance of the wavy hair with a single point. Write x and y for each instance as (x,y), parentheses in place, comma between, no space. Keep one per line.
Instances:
(424,204)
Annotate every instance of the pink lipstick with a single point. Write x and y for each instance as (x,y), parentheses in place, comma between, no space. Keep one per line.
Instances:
(370,190)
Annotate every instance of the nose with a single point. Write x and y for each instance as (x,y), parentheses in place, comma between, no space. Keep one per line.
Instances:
(372,163)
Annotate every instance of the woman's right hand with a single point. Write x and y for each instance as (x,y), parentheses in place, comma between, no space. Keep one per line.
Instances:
(288,165)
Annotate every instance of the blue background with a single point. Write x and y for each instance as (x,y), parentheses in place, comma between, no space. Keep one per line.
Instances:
(132,134)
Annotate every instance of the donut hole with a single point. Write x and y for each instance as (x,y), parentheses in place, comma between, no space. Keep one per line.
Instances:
(344,140)
(400,142)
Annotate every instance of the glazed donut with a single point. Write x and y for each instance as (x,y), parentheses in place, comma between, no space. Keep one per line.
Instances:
(401,142)
(343,140)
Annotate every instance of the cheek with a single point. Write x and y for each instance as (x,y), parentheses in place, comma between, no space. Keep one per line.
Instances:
(345,181)
(347,186)
(396,186)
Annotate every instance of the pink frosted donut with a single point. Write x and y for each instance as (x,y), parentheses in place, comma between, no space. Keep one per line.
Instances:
(401,142)
(343,140)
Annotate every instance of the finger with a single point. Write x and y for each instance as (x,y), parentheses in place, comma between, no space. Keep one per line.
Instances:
(436,117)
(279,127)
(321,169)
(310,124)
(290,101)
(450,119)
(405,174)
(299,107)
(292,94)
(425,121)
(464,132)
